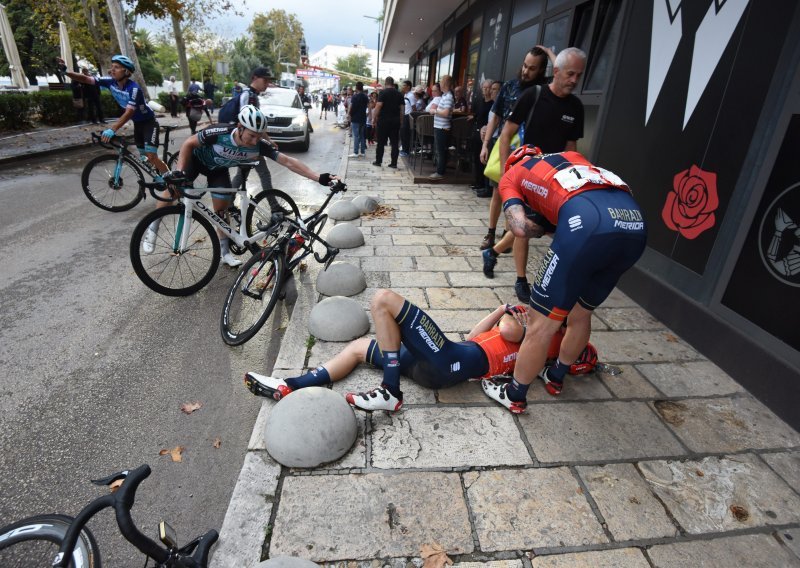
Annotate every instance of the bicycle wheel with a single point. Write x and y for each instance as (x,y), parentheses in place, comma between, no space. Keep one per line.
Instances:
(264,204)
(168,269)
(172,160)
(35,541)
(252,296)
(112,182)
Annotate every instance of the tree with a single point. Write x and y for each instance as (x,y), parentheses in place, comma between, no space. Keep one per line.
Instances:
(355,63)
(242,60)
(286,32)
(37,54)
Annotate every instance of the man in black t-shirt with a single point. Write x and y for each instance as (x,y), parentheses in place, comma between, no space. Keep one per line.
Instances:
(389,113)
(357,112)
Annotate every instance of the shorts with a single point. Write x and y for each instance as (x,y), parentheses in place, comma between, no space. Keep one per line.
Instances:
(216,178)
(145,135)
(427,357)
(600,234)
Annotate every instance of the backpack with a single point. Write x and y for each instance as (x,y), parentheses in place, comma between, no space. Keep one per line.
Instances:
(229,112)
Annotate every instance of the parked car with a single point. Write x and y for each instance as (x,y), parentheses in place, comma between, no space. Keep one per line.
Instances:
(287,121)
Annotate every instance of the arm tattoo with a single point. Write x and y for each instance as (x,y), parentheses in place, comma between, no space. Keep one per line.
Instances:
(515,215)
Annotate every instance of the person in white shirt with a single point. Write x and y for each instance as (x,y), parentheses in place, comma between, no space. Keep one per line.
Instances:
(405,127)
(436,95)
(442,115)
(172,89)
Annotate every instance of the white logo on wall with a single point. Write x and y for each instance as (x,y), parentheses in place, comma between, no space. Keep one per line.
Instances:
(779,237)
(710,40)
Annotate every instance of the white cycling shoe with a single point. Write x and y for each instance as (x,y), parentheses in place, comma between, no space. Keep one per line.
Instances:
(376,399)
(229,259)
(149,241)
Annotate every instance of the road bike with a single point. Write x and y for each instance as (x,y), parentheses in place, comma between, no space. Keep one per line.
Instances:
(111,181)
(186,251)
(260,282)
(33,541)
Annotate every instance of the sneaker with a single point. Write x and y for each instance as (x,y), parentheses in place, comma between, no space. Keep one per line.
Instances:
(435,176)
(269,387)
(552,387)
(231,260)
(489,262)
(488,241)
(353,156)
(523,290)
(497,391)
(149,241)
(376,399)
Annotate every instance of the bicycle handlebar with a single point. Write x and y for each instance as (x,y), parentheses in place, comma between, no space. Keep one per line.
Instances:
(114,143)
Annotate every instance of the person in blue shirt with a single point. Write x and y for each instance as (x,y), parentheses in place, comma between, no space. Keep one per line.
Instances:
(130,98)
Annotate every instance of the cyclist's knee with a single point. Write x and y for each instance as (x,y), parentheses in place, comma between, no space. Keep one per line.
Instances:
(385,299)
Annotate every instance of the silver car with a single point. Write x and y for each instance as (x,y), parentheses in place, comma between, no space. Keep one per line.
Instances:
(287,121)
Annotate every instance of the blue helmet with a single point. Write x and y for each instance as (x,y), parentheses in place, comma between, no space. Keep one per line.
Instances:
(125,62)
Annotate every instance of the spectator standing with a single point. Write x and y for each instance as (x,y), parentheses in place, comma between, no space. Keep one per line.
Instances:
(194,88)
(92,95)
(209,88)
(419,99)
(370,129)
(442,115)
(358,119)
(388,115)
(405,127)
(459,100)
(78,100)
(531,73)
(172,89)
(481,109)
(433,101)
(323,108)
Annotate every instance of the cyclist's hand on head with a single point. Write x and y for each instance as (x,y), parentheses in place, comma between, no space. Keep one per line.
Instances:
(107,134)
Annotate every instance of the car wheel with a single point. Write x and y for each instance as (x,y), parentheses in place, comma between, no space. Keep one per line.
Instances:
(305,143)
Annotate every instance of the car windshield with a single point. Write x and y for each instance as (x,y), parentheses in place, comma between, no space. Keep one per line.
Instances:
(282,97)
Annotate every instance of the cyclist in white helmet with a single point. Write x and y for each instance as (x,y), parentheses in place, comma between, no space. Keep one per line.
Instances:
(215,149)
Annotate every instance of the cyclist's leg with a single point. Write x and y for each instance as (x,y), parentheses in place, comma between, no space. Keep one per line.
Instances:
(335,369)
(148,135)
(221,202)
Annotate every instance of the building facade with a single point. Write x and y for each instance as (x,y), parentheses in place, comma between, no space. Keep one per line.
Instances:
(697,106)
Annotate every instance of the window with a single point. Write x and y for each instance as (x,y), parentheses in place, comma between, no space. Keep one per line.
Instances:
(525,10)
(554,4)
(556,36)
(518,45)
(605,45)
(582,27)
(475,34)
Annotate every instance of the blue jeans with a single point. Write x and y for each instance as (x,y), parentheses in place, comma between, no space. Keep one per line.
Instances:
(440,137)
(359,140)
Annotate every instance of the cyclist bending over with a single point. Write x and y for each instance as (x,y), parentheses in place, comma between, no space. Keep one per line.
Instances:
(129,96)
(215,149)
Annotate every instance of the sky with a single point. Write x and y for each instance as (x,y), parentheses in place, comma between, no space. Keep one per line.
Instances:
(334,22)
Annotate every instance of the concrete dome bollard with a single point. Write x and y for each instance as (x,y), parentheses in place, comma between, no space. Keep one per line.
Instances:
(338,319)
(343,211)
(345,236)
(341,279)
(365,203)
(310,427)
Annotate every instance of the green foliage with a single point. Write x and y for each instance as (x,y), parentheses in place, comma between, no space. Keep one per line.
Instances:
(37,51)
(20,111)
(15,111)
(152,76)
(54,107)
(276,37)
(355,63)
(242,61)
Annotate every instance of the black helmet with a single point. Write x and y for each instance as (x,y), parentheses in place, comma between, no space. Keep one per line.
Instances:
(263,71)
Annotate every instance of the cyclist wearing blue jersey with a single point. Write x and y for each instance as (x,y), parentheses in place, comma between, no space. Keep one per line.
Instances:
(215,149)
(129,96)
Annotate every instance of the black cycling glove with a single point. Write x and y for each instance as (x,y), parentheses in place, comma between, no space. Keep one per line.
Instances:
(325,179)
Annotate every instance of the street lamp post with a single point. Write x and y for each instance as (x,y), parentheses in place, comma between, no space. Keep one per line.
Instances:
(378,57)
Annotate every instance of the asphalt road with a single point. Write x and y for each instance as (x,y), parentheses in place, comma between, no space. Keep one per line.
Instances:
(94,367)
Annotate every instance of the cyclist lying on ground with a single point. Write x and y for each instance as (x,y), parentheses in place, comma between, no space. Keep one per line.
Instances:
(415,347)
(215,149)
(129,96)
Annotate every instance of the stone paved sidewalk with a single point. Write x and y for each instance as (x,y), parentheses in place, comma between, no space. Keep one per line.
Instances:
(670,463)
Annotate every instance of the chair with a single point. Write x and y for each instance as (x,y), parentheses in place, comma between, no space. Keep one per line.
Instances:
(460,132)
(423,138)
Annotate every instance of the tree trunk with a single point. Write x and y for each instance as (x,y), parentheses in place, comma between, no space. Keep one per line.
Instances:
(180,44)
(91,13)
(125,42)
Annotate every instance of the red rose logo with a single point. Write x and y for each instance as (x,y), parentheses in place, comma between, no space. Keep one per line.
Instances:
(690,205)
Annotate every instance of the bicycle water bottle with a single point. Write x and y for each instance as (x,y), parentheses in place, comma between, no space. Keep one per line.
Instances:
(294,245)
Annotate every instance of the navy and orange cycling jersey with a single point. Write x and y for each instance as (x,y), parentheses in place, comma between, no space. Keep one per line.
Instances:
(545,183)
(500,352)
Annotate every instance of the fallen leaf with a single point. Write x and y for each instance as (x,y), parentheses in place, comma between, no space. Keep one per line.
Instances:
(434,556)
(174,453)
(671,338)
(216,443)
(189,407)
(116,485)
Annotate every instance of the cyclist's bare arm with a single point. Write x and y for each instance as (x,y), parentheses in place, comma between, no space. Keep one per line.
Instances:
(185,154)
(77,77)
(299,167)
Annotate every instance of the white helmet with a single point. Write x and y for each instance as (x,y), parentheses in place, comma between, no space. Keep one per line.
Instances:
(252,119)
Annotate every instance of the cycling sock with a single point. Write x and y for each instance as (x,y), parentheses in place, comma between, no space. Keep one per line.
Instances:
(391,373)
(314,378)
(224,246)
(522,279)
(556,372)
(517,391)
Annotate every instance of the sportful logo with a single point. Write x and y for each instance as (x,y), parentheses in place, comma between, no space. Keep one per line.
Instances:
(711,39)
(575,223)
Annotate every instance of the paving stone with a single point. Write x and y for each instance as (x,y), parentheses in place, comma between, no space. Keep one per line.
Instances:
(459,215)
(390,230)
(366,250)
(476,279)
(463,298)
(594,431)
(402,250)
(720,494)
(378,280)
(456,320)
(629,383)
(577,387)
(619,558)
(530,508)
(720,425)
(642,346)
(365,378)
(385,264)
(462,393)
(453,250)
(249,510)
(441,264)
(696,378)
(446,437)
(415,295)
(424,279)
(492,564)
(628,318)
(401,213)
(364,516)
(753,551)
(787,465)
(791,538)
(423,239)
(626,503)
